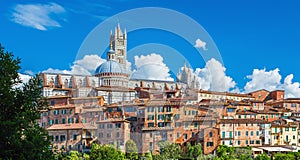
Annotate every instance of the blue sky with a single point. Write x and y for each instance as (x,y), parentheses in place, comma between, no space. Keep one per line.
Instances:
(249,35)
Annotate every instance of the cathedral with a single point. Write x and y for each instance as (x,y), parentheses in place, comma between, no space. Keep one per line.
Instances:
(111,79)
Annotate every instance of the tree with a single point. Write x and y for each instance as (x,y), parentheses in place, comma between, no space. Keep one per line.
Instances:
(262,157)
(281,156)
(148,155)
(20,136)
(169,151)
(193,152)
(99,152)
(131,150)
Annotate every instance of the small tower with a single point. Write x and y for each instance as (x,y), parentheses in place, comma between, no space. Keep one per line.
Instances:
(111,54)
(119,45)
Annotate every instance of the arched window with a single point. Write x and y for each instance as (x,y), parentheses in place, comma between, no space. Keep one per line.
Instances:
(66,83)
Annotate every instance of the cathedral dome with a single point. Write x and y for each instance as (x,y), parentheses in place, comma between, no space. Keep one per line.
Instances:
(109,66)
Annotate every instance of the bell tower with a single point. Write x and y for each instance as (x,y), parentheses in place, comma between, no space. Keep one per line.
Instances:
(119,45)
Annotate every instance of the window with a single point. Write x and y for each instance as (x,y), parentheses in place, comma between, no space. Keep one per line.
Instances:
(150,109)
(160,109)
(164,135)
(109,126)
(247,134)
(108,135)
(56,121)
(251,141)
(178,135)
(239,133)
(150,117)
(210,144)
(246,142)
(287,129)
(150,124)
(257,133)
(118,125)
(257,141)
(294,137)
(70,120)
(187,112)
(185,136)
(193,134)
(101,135)
(239,142)
(118,135)
(150,145)
(177,116)
(56,112)
(196,124)
(63,121)
(64,111)
(169,108)
(230,134)
(62,138)
(194,112)
(160,124)
(294,129)
(101,126)
(70,111)
(161,117)
(52,102)
(186,125)
(56,138)
(251,133)
(210,134)
(223,134)
(75,137)
(177,124)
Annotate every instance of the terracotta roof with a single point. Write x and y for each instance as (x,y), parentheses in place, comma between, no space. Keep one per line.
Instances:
(111,120)
(225,93)
(72,126)
(107,88)
(242,121)
(63,106)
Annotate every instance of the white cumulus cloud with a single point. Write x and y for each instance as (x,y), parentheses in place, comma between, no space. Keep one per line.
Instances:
(151,67)
(85,66)
(213,77)
(271,80)
(200,44)
(38,16)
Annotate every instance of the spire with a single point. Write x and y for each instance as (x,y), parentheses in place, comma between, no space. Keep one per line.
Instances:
(110,45)
(125,34)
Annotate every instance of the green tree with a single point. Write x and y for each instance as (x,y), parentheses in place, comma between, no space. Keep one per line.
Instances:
(262,157)
(284,156)
(131,150)
(225,152)
(74,155)
(20,135)
(103,152)
(242,153)
(193,152)
(148,155)
(169,151)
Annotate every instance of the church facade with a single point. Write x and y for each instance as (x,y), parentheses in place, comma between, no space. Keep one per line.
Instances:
(111,79)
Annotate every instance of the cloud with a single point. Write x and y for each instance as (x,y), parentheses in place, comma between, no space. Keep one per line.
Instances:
(38,16)
(200,44)
(151,67)
(29,72)
(213,77)
(24,78)
(271,80)
(85,66)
